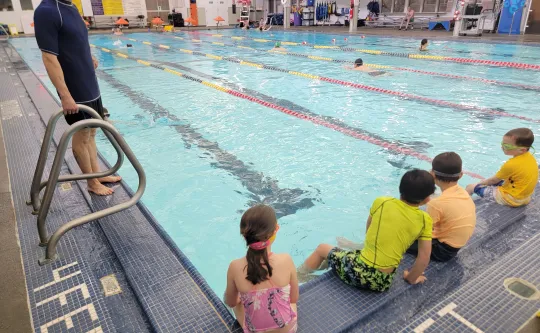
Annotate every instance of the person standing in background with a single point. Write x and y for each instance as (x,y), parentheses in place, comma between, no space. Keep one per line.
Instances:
(62,37)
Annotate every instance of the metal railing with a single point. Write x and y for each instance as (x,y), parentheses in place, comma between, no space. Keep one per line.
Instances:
(42,210)
(5,32)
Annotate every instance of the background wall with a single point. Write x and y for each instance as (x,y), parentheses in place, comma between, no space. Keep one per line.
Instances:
(18,11)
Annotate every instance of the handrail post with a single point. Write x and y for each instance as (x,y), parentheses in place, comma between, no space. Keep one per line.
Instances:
(50,253)
(42,160)
(37,184)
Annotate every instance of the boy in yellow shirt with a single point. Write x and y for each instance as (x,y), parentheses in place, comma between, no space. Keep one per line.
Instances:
(515,182)
(453,212)
(392,226)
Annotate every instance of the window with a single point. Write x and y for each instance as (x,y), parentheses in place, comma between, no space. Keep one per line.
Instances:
(416,5)
(429,6)
(419,6)
(27,5)
(6,6)
(443,6)
(386,6)
(399,6)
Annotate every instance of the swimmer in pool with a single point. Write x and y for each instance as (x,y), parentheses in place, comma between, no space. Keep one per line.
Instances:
(359,66)
(424,45)
(277,47)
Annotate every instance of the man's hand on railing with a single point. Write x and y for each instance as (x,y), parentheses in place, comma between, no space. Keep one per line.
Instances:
(68,105)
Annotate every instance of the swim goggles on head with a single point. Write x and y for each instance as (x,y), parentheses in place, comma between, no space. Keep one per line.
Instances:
(264,244)
(507,146)
(442,174)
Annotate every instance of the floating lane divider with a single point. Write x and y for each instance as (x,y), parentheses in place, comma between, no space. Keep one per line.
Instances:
(318,121)
(508,64)
(408,96)
(405,69)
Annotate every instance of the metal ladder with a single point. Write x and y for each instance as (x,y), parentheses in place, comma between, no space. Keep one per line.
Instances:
(2,29)
(41,209)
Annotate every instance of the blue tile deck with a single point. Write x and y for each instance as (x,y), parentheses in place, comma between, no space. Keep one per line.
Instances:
(483,302)
(163,292)
(166,293)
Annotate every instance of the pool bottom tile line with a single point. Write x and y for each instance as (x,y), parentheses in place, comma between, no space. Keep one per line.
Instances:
(390,146)
(406,96)
(261,187)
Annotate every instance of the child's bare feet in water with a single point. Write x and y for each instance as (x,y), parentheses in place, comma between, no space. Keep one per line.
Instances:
(110,179)
(94,186)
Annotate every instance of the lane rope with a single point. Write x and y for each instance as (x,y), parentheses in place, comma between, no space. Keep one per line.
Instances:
(404,69)
(318,121)
(516,65)
(408,96)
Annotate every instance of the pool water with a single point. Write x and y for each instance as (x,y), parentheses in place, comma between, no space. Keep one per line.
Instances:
(209,155)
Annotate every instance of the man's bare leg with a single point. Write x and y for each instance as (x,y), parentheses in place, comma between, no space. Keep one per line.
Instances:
(80,145)
(94,162)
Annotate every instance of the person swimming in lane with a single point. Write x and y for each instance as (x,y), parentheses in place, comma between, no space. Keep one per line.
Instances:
(359,66)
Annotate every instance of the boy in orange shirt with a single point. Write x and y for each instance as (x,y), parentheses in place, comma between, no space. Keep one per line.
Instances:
(453,212)
(515,182)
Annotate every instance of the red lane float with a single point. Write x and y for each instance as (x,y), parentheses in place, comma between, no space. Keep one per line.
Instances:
(494,63)
(387,145)
(426,99)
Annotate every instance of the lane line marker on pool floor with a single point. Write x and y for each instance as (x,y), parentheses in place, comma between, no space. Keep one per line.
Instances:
(408,96)
(387,145)
(404,69)
(516,65)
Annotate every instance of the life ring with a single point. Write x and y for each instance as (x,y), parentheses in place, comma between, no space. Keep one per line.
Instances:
(284,2)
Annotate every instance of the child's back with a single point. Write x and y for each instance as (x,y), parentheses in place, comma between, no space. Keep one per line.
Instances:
(514,183)
(521,176)
(453,212)
(262,286)
(454,216)
(395,226)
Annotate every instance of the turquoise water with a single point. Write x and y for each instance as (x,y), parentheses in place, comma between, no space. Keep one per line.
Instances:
(209,155)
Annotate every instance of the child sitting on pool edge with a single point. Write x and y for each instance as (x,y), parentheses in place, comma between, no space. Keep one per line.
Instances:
(262,286)
(392,227)
(513,185)
(453,212)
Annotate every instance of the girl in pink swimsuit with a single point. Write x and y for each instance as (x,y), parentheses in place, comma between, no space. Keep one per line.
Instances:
(262,287)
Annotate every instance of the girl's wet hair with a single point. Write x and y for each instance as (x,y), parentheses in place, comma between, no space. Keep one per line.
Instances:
(257,225)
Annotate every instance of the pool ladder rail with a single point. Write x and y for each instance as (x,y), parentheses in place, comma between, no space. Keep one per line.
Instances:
(41,208)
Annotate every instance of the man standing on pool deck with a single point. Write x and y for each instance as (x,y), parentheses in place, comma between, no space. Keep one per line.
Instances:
(63,39)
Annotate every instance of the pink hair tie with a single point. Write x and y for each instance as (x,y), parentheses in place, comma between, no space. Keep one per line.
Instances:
(259,245)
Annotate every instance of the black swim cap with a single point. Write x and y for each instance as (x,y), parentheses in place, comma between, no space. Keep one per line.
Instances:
(359,62)
(129,45)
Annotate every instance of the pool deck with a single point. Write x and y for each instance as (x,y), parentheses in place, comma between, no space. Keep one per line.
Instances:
(160,290)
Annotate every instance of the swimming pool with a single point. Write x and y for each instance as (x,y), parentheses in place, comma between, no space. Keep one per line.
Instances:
(209,154)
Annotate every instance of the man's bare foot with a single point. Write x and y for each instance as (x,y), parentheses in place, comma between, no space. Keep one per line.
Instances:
(98,188)
(110,179)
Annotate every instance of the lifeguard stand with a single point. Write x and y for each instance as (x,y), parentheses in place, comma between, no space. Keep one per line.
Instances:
(245,9)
